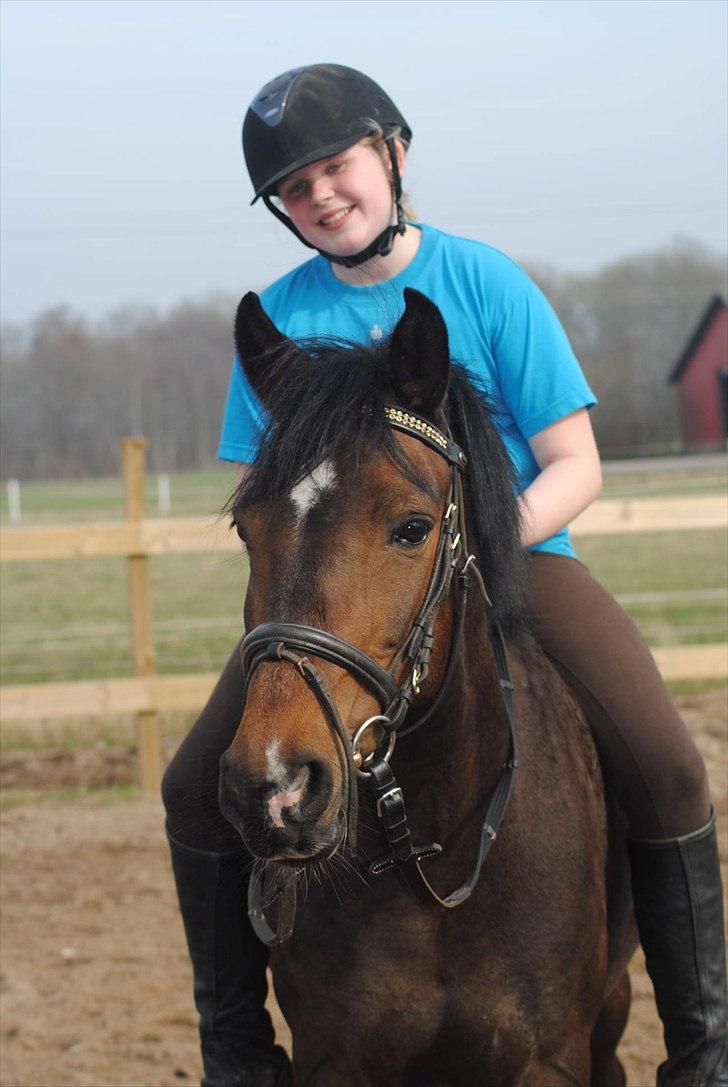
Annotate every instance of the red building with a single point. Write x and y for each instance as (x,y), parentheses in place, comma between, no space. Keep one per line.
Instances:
(701,376)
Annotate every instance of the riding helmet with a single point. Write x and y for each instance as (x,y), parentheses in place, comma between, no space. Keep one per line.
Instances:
(311,113)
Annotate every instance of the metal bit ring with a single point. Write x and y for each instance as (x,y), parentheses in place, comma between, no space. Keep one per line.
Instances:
(357,758)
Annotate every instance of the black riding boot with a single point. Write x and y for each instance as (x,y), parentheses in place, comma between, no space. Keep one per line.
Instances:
(228,964)
(679,906)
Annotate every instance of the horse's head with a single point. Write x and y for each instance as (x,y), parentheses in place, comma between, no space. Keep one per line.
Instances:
(344,517)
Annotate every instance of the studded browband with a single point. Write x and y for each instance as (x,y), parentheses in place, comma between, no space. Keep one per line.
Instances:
(418,427)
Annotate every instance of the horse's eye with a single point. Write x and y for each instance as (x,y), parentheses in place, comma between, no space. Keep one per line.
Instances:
(413,532)
(239,529)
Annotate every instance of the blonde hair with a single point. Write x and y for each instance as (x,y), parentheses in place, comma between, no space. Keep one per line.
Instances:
(377,140)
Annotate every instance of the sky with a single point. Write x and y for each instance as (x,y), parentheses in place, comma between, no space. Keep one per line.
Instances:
(564,132)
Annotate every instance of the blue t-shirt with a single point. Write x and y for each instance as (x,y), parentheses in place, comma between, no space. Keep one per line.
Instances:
(500,327)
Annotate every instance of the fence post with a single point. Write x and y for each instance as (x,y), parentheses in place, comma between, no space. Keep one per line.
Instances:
(14,501)
(133,454)
(164,493)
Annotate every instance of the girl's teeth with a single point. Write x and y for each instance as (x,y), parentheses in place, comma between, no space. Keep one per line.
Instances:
(339,215)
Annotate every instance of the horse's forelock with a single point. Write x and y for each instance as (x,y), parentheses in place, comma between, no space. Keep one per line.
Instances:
(327,406)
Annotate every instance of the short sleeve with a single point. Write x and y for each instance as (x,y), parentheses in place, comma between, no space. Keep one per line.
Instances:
(540,376)
(244,420)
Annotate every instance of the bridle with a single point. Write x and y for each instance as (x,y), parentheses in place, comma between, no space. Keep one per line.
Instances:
(294,642)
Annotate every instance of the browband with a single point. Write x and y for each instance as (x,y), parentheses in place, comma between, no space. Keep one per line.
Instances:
(417,427)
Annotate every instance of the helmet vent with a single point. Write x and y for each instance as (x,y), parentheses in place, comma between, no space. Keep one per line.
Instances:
(270,103)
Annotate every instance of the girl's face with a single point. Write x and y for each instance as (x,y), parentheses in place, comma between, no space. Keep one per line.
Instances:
(342,203)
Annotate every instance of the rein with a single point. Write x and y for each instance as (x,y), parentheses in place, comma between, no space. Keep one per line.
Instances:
(292,642)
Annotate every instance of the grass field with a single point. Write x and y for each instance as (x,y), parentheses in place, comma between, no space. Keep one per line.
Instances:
(68,619)
(103,499)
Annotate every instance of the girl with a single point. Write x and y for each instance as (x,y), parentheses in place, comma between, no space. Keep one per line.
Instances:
(325,148)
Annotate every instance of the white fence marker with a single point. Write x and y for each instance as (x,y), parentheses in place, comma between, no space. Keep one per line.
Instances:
(164,493)
(14,500)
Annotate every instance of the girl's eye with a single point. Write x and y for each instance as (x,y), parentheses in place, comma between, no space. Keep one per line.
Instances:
(413,532)
(295,190)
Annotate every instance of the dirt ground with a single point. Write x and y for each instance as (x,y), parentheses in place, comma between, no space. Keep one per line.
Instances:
(95,982)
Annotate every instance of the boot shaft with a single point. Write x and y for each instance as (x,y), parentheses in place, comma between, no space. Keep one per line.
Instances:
(678,902)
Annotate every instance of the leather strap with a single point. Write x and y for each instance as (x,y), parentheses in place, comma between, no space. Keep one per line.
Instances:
(266,890)
(325,645)
(405,857)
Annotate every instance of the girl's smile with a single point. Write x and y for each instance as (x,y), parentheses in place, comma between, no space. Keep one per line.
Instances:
(333,219)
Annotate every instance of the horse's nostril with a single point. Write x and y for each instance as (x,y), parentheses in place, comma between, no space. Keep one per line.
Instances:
(319,788)
(284,804)
(304,796)
(301,779)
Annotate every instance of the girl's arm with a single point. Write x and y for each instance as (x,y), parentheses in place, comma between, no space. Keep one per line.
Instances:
(569,480)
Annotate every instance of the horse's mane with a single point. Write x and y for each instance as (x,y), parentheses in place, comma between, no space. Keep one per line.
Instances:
(330,405)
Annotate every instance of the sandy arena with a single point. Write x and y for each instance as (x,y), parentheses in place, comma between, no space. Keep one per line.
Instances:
(96,987)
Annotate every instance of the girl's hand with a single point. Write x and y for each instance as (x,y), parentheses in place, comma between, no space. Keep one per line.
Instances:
(569,480)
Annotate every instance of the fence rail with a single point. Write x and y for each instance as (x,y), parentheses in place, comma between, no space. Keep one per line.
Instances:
(144,694)
(139,538)
(184,535)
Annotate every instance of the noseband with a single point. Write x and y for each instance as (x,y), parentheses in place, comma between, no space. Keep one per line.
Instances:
(294,642)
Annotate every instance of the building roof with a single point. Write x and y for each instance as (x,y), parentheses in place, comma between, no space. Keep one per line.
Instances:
(714,307)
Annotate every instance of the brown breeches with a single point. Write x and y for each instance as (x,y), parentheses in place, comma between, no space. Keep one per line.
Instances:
(647,754)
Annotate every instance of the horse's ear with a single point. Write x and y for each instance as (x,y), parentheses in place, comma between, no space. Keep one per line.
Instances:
(259,344)
(420,354)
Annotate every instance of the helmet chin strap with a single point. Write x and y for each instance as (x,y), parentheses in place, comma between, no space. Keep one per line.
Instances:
(383,243)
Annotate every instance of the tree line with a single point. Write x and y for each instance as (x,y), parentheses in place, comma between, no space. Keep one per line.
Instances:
(71,388)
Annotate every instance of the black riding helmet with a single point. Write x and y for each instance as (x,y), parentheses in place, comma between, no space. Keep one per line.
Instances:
(309,114)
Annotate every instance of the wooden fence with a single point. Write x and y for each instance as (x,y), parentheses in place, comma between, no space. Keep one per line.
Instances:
(139,538)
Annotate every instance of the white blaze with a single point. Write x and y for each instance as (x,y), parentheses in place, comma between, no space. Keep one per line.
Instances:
(276,769)
(308,491)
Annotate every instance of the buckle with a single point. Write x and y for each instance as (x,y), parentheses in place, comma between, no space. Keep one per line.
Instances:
(394,791)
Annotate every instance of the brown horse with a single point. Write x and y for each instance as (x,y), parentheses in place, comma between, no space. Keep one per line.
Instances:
(380,494)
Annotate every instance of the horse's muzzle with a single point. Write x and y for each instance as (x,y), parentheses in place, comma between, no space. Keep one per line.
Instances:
(286,817)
